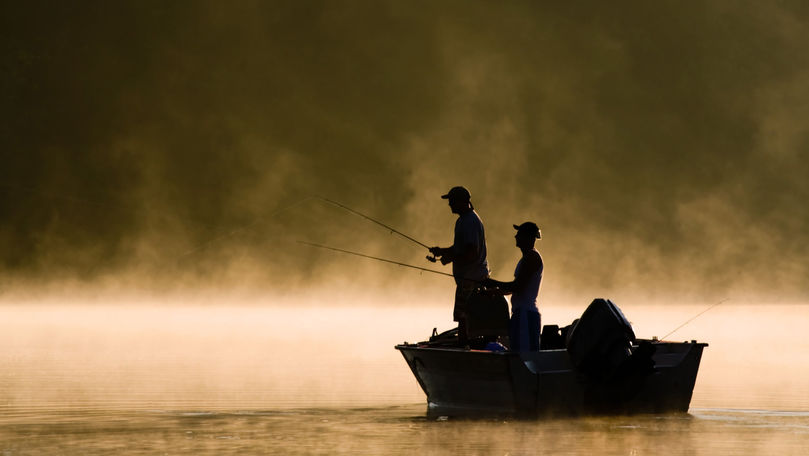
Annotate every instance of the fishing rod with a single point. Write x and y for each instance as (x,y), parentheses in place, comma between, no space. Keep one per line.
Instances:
(392,230)
(374,258)
(693,318)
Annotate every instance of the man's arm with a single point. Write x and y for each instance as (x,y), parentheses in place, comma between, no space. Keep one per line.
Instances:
(468,253)
(498,287)
(444,253)
(530,266)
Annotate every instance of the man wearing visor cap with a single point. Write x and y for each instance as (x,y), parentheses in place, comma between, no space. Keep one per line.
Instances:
(524,325)
(467,254)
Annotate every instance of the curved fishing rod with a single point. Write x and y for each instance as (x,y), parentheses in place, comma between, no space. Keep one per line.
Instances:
(693,318)
(392,230)
(374,258)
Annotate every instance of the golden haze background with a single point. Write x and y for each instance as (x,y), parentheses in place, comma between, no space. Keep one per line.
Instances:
(662,148)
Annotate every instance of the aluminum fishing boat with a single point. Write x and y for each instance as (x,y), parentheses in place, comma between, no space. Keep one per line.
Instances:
(595,366)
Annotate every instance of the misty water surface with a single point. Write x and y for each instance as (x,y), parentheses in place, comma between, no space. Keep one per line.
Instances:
(182,377)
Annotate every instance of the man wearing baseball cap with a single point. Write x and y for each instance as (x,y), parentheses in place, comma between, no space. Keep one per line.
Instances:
(524,325)
(467,254)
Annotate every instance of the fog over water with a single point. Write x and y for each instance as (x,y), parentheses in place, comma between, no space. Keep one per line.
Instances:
(661,148)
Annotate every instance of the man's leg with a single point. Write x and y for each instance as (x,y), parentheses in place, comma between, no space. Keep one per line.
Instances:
(462,293)
(514,334)
(463,337)
(534,321)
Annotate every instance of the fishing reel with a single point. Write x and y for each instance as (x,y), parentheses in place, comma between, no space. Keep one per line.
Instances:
(433,259)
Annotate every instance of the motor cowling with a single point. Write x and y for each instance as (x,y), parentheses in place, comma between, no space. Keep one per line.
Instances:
(601,340)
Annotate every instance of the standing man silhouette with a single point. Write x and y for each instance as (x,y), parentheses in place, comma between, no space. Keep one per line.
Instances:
(523,328)
(467,254)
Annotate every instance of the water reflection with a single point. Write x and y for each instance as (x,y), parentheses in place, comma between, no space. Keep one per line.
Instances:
(402,430)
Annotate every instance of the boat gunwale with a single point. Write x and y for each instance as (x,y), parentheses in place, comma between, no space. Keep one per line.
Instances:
(426,346)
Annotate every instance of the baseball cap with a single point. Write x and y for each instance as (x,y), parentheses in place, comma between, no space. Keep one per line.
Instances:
(529,227)
(458,193)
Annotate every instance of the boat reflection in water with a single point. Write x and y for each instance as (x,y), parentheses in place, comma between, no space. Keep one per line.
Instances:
(594,366)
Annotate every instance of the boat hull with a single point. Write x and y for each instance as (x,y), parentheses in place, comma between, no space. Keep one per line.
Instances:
(545,382)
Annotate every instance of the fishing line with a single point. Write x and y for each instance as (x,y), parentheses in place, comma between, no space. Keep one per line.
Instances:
(276,212)
(228,234)
(375,258)
(241,229)
(693,318)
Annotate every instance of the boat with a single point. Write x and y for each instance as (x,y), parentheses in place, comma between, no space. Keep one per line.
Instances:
(594,366)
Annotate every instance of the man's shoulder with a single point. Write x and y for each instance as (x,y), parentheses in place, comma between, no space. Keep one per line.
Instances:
(470,218)
(533,258)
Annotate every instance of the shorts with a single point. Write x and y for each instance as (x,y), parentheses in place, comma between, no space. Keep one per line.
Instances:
(463,291)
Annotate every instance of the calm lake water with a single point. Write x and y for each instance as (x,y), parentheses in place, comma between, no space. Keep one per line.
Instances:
(279,378)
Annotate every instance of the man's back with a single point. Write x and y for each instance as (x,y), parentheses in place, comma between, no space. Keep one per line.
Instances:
(527,276)
(469,232)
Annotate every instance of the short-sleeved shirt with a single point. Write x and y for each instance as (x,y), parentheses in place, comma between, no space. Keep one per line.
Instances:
(469,230)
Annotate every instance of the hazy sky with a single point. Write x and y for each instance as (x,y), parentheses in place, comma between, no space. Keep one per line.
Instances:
(660,146)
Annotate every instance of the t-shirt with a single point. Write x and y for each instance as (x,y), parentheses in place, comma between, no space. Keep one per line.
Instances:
(526,298)
(469,230)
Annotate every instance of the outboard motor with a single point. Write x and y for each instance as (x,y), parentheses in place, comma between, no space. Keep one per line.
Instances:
(601,340)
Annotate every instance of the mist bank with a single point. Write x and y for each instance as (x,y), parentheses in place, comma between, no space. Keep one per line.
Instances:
(661,148)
